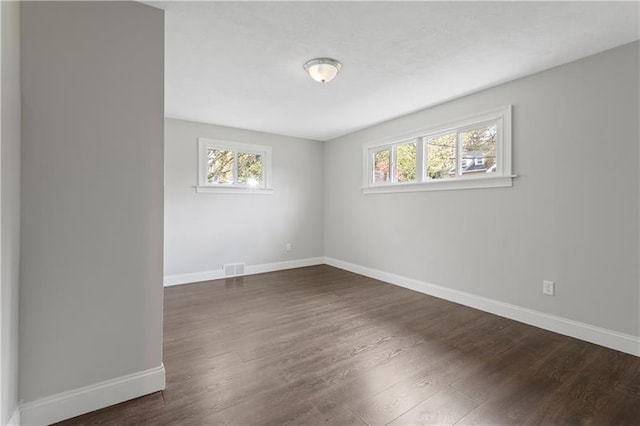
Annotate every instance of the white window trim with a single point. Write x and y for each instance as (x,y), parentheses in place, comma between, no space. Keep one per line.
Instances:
(205,187)
(503,176)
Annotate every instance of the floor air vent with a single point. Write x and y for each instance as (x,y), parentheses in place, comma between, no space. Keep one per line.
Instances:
(233,269)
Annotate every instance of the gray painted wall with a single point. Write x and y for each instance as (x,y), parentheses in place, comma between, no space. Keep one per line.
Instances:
(571,216)
(203,231)
(9,205)
(92,170)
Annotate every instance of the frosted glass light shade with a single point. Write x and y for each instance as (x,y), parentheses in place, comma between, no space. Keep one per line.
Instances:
(323,70)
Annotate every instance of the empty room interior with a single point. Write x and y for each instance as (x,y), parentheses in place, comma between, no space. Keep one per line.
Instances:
(340,213)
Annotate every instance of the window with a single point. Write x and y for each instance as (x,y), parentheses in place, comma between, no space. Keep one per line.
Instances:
(471,153)
(233,167)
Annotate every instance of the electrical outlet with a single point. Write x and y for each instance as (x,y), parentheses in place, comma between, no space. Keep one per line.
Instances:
(548,288)
(288,247)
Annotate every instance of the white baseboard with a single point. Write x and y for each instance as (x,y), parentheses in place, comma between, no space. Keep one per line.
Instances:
(72,403)
(279,266)
(15,418)
(193,277)
(217,274)
(600,336)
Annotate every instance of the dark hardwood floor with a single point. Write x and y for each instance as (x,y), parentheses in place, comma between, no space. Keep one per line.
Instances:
(319,345)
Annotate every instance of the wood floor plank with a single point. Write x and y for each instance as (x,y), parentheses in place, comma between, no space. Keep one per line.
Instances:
(446,407)
(319,345)
(394,401)
(341,417)
(512,402)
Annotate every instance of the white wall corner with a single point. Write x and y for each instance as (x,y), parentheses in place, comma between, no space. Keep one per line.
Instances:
(604,337)
(73,403)
(194,277)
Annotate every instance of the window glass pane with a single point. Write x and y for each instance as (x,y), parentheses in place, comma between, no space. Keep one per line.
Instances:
(479,150)
(441,156)
(406,162)
(382,166)
(249,169)
(219,166)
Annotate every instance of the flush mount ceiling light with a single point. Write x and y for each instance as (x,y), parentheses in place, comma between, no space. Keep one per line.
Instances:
(323,70)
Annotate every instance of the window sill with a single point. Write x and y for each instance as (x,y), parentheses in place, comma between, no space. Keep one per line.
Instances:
(233,190)
(442,185)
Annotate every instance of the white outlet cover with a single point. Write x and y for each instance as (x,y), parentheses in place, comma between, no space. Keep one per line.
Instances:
(548,288)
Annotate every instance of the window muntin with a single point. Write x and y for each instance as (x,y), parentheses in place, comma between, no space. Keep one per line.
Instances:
(476,148)
(229,165)
(449,155)
(395,163)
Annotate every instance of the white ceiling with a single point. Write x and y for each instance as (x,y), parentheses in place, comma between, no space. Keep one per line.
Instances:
(239,64)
